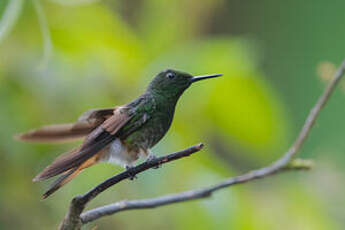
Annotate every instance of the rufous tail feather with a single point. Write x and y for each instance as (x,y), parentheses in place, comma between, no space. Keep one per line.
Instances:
(69,175)
(57,133)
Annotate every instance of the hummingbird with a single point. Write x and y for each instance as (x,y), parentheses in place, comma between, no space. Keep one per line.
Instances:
(119,135)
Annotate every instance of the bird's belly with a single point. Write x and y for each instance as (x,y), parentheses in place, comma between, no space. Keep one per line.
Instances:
(118,153)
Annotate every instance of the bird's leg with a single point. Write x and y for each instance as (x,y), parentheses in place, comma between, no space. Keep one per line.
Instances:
(132,176)
(151,157)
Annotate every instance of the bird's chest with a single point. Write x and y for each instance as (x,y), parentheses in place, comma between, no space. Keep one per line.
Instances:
(151,132)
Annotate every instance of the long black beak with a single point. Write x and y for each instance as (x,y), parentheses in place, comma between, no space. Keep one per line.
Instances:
(198,78)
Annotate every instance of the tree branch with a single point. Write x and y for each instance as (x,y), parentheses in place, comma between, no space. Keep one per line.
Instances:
(72,219)
(286,162)
(123,205)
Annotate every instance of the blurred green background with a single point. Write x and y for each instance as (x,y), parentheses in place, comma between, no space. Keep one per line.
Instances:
(59,58)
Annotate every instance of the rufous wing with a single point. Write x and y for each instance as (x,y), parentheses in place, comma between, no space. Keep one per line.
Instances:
(93,144)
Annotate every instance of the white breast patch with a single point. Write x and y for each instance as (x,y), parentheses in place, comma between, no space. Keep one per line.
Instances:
(118,154)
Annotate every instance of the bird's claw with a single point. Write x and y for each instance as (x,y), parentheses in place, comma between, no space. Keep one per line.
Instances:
(132,176)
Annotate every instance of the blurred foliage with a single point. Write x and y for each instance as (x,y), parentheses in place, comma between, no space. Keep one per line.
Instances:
(59,58)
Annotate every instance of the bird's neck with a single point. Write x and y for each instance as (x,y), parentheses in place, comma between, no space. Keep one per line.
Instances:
(164,101)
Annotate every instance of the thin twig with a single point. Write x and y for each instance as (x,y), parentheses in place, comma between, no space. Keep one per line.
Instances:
(44,27)
(195,194)
(10,17)
(138,169)
(286,162)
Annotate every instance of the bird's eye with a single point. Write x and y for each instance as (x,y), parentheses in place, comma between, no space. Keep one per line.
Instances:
(170,75)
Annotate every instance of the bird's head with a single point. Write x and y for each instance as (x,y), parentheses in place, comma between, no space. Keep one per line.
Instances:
(172,83)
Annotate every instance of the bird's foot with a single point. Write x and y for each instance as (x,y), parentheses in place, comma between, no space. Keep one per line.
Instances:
(132,176)
(152,157)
